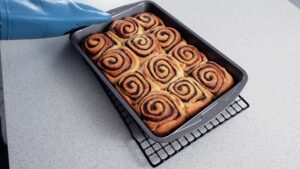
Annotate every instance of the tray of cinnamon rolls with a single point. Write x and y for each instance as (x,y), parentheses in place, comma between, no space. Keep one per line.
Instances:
(167,77)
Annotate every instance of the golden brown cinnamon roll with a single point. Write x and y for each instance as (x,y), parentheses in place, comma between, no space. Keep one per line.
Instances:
(193,96)
(95,45)
(149,21)
(162,70)
(213,77)
(144,45)
(168,37)
(161,112)
(133,87)
(126,28)
(188,56)
(116,63)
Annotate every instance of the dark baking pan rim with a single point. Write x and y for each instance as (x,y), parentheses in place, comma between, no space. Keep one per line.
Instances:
(219,104)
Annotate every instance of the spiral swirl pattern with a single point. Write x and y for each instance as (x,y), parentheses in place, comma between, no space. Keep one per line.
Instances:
(134,86)
(97,44)
(125,28)
(188,55)
(161,69)
(213,77)
(143,45)
(116,62)
(187,90)
(167,37)
(158,108)
(148,21)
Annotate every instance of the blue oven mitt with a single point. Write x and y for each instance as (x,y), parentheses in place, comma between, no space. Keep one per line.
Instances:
(29,19)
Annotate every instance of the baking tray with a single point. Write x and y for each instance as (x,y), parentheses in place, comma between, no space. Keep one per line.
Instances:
(239,75)
(157,153)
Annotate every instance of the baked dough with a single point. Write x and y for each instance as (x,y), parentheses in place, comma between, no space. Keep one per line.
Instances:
(161,70)
(144,46)
(159,74)
(193,96)
(118,62)
(161,112)
(188,56)
(213,77)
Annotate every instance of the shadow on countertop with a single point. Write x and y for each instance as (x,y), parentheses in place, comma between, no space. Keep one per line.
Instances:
(3,147)
(296,3)
(92,93)
(3,152)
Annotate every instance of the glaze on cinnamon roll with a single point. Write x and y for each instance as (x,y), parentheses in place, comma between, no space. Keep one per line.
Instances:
(188,56)
(144,45)
(125,28)
(95,45)
(117,62)
(161,70)
(168,37)
(193,96)
(213,77)
(149,21)
(133,87)
(161,112)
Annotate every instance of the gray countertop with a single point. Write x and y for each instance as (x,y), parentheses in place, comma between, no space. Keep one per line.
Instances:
(58,116)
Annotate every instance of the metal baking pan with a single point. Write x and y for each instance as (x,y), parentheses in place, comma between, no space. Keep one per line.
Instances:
(239,75)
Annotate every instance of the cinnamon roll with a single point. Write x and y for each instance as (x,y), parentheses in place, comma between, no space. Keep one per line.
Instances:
(149,21)
(161,112)
(133,87)
(188,56)
(144,45)
(126,28)
(117,62)
(168,37)
(213,77)
(193,96)
(95,45)
(161,70)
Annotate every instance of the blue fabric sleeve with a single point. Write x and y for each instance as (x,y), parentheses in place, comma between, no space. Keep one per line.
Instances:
(28,19)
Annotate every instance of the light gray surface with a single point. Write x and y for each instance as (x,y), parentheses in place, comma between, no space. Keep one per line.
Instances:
(2,112)
(58,116)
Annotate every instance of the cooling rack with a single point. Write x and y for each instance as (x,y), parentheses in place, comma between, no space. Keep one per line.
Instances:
(155,152)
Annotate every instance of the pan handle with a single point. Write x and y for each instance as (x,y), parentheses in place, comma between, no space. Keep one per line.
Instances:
(122,8)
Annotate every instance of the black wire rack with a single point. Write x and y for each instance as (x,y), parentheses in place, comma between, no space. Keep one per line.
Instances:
(155,152)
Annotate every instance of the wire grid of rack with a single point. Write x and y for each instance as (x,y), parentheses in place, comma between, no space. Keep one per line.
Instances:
(155,152)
